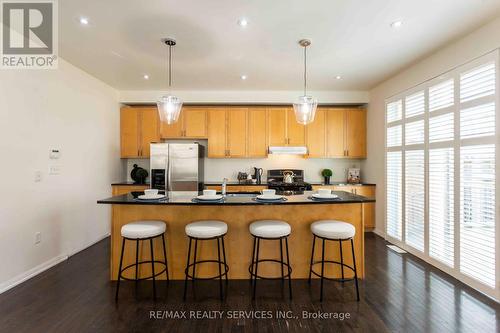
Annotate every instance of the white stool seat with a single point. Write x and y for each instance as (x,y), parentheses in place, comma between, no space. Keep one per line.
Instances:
(270,229)
(143,229)
(333,229)
(206,229)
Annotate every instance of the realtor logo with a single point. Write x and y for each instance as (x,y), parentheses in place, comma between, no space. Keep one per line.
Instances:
(29,34)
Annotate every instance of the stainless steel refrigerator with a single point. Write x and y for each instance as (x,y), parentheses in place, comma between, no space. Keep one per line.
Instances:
(177,166)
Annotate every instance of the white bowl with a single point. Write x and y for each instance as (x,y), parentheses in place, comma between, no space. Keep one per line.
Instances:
(209,193)
(324,192)
(268,192)
(151,192)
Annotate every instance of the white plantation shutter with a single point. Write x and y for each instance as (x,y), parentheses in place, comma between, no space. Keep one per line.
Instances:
(415,104)
(394,194)
(479,82)
(440,172)
(477,212)
(414,198)
(441,205)
(394,136)
(414,132)
(394,111)
(441,95)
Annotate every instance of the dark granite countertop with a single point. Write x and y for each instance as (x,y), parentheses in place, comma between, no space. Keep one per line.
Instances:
(235,183)
(185,198)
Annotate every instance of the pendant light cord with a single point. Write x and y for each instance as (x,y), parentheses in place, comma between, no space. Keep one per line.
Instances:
(169,67)
(305,70)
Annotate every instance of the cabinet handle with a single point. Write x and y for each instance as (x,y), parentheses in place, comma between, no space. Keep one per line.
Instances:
(347,152)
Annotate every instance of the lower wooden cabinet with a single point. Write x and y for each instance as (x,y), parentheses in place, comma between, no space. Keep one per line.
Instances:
(237,188)
(364,190)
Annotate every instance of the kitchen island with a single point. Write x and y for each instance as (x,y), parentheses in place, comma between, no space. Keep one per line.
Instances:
(238,212)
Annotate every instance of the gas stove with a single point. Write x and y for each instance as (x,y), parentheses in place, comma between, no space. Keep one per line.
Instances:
(298,186)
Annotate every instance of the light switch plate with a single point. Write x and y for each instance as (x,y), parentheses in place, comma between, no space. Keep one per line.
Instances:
(54,170)
(38,176)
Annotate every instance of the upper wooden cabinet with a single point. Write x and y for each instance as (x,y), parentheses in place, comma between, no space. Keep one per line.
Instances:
(284,129)
(227,131)
(257,132)
(217,133)
(139,126)
(192,124)
(343,132)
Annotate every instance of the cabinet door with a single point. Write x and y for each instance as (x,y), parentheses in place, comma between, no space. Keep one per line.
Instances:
(356,133)
(217,133)
(257,132)
(296,133)
(195,122)
(237,132)
(277,126)
(124,189)
(129,132)
(150,130)
(172,131)
(335,132)
(366,191)
(316,135)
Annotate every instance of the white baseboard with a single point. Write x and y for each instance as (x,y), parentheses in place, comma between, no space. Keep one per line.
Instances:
(44,266)
(379,233)
(31,273)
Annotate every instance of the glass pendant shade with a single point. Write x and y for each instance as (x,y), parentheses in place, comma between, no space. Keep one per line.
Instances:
(169,109)
(305,109)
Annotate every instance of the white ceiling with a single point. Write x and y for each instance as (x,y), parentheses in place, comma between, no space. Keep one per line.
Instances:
(352,38)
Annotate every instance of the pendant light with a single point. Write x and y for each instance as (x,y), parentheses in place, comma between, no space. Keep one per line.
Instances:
(305,107)
(169,106)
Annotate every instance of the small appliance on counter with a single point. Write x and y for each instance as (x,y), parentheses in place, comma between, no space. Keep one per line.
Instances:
(244,178)
(138,175)
(258,175)
(287,181)
(177,166)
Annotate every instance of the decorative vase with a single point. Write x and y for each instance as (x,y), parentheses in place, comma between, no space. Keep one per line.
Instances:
(327,180)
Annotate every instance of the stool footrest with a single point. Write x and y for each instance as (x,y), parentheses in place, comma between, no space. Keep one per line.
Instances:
(139,263)
(333,262)
(226,270)
(252,265)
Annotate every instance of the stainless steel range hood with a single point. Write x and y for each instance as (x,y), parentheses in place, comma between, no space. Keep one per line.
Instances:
(297,150)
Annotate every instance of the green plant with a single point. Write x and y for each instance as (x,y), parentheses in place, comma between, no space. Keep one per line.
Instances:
(327,173)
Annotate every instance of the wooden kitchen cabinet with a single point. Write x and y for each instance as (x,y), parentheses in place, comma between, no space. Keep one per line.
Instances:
(227,133)
(192,124)
(124,189)
(257,132)
(316,135)
(355,133)
(237,188)
(217,133)
(296,132)
(335,125)
(139,126)
(284,129)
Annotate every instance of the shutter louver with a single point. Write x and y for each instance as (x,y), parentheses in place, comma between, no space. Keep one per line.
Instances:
(477,212)
(441,95)
(441,205)
(394,136)
(477,121)
(441,128)
(414,132)
(394,194)
(415,104)
(394,111)
(414,198)
(477,83)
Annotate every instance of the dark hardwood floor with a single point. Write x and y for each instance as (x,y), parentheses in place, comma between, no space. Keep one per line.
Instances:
(400,294)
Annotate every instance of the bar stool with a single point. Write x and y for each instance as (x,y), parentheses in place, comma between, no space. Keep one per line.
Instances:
(331,230)
(269,230)
(201,231)
(143,231)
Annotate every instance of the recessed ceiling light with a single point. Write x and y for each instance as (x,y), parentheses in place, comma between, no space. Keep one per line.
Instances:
(242,22)
(338,77)
(146,77)
(84,20)
(243,77)
(396,24)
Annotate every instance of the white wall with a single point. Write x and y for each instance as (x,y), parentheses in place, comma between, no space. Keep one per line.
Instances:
(217,169)
(69,110)
(479,42)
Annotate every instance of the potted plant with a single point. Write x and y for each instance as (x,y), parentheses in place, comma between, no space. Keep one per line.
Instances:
(327,173)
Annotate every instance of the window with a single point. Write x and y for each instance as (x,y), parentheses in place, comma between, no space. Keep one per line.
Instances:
(441,185)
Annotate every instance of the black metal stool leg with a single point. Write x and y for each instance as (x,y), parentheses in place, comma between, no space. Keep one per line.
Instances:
(289,267)
(224,255)
(165,257)
(187,268)
(120,270)
(312,258)
(153,267)
(256,268)
(341,260)
(253,261)
(281,256)
(220,271)
(355,270)
(322,270)
(136,264)
(194,262)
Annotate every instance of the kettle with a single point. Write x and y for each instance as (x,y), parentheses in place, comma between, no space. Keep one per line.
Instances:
(258,175)
(288,176)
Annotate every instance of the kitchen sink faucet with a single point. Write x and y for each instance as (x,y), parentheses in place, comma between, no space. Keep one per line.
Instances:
(224,187)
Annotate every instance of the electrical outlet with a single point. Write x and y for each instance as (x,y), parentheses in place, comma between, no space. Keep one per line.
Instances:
(38,176)
(38,237)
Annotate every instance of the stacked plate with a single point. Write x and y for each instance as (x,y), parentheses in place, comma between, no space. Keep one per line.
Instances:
(212,197)
(324,196)
(151,197)
(269,197)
